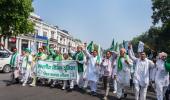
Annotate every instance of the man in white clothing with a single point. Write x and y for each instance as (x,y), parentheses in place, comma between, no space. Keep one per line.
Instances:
(27,64)
(141,74)
(161,76)
(14,62)
(122,72)
(93,70)
(107,72)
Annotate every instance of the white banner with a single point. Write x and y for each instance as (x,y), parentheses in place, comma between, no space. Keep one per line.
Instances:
(61,70)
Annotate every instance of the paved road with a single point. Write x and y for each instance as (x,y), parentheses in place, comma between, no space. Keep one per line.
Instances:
(17,92)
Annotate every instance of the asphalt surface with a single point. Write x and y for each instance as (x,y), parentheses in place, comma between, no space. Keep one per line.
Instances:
(18,92)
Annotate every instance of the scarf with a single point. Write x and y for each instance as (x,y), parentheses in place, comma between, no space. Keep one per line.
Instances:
(120,65)
(79,56)
(39,54)
(98,59)
(13,59)
(25,61)
(58,58)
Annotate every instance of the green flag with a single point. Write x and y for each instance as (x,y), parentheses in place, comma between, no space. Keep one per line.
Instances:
(99,54)
(99,50)
(116,47)
(90,47)
(112,46)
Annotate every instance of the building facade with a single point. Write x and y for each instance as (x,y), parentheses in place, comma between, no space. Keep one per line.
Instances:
(44,32)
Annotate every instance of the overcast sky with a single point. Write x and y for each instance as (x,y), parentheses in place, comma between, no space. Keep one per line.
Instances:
(97,20)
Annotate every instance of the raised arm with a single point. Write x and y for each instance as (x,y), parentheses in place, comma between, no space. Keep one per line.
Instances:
(131,53)
(130,62)
(86,52)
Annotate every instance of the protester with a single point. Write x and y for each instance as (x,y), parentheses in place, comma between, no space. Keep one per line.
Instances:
(22,65)
(81,59)
(56,57)
(27,64)
(122,72)
(114,62)
(86,65)
(93,70)
(66,57)
(14,62)
(107,69)
(51,53)
(40,56)
(161,76)
(141,75)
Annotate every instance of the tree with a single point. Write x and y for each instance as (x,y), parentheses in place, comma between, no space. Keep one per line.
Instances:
(158,38)
(14,17)
(161,11)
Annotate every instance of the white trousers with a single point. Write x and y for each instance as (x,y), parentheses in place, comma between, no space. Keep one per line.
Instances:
(80,81)
(160,91)
(120,88)
(71,84)
(115,85)
(26,75)
(85,84)
(93,86)
(140,92)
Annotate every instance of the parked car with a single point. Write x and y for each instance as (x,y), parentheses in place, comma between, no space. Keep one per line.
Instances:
(5,56)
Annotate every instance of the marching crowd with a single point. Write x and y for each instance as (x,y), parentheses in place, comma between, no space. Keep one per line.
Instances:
(117,67)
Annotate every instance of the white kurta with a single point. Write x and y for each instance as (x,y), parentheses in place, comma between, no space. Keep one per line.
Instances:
(85,69)
(107,67)
(161,79)
(141,75)
(92,69)
(123,76)
(17,61)
(161,75)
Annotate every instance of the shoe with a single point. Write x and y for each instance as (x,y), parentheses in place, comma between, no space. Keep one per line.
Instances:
(93,93)
(63,88)
(8,84)
(105,98)
(23,84)
(114,92)
(125,95)
(13,82)
(69,90)
(22,81)
(32,85)
(52,85)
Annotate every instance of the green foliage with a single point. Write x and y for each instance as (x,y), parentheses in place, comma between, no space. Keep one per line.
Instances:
(161,11)
(157,38)
(14,16)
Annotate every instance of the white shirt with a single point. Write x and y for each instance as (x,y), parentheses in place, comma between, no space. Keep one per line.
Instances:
(93,70)
(124,76)
(161,75)
(141,75)
(107,67)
